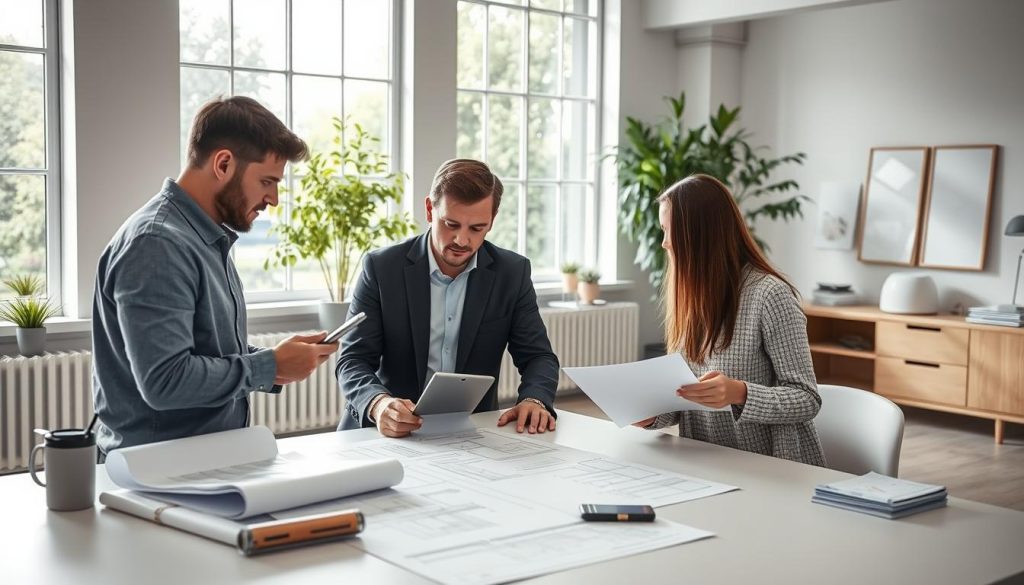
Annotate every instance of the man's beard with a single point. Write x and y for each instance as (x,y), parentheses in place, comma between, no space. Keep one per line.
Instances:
(230,203)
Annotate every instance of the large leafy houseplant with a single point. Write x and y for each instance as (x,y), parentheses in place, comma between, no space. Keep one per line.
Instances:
(342,209)
(656,156)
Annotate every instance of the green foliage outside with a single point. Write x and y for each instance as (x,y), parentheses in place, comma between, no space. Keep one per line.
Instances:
(656,156)
(341,211)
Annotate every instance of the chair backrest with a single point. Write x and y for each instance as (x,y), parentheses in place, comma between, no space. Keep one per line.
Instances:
(860,431)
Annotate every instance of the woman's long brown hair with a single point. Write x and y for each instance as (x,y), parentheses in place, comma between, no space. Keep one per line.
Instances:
(710,248)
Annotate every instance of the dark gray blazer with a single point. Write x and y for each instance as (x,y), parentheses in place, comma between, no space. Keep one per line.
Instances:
(387,352)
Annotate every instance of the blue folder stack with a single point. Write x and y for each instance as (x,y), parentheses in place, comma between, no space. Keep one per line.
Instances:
(881,495)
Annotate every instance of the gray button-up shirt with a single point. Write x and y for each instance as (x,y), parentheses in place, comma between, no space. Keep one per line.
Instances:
(170,357)
(447,297)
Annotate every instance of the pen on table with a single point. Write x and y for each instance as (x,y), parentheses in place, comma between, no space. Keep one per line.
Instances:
(277,534)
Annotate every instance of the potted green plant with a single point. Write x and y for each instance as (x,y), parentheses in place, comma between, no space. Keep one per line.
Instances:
(30,315)
(569,279)
(656,156)
(588,289)
(341,212)
(25,285)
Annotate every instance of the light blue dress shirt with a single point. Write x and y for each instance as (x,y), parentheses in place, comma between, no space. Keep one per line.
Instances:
(447,297)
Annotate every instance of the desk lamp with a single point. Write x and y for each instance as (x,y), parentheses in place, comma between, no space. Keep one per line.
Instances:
(1015,228)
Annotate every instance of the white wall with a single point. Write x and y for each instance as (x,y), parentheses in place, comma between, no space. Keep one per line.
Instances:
(834,83)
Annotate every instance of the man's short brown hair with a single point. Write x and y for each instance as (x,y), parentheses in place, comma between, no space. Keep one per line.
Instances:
(467,181)
(246,128)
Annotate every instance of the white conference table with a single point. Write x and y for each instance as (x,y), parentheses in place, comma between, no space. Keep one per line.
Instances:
(766,532)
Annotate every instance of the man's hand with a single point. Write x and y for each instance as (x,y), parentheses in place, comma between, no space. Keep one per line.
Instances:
(394,417)
(716,390)
(645,423)
(299,355)
(530,416)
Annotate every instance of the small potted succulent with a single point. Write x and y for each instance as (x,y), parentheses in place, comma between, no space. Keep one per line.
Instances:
(588,289)
(569,279)
(29,312)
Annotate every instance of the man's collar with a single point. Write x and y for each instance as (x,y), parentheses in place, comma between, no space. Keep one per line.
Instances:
(204,225)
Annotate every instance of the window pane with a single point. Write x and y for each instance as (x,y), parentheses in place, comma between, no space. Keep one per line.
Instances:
(542,140)
(306,274)
(203,30)
(577,64)
(198,86)
(544,53)
(367,38)
(540,228)
(22,23)
(505,233)
(366,102)
(266,88)
(22,227)
(504,125)
(505,48)
(22,111)
(470,141)
(470,60)
(547,4)
(315,100)
(259,33)
(588,7)
(251,249)
(574,223)
(578,141)
(316,36)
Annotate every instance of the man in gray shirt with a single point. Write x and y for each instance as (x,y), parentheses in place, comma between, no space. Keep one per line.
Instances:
(169,322)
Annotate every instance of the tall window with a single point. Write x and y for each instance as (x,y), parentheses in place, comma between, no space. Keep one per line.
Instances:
(527,102)
(306,61)
(29,142)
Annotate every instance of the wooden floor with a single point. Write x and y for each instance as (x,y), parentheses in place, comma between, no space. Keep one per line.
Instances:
(952,450)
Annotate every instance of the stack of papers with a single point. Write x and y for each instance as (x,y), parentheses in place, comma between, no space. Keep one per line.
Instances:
(881,495)
(1005,315)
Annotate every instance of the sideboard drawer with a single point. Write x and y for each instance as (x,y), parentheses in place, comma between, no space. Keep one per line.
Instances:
(919,380)
(926,343)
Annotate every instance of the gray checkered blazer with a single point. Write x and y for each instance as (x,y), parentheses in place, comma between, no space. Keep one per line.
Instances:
(769,352)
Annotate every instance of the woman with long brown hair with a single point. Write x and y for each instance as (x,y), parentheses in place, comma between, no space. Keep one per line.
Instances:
(738,324)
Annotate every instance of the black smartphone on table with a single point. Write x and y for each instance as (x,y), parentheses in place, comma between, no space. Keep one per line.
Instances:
(610,513)
(337,333)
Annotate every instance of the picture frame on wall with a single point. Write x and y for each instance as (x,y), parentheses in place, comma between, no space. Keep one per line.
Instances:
(838,204)
(954,232)
(893,199)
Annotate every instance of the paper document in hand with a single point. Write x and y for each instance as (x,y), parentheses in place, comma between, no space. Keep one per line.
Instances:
(632,392)
(239,473)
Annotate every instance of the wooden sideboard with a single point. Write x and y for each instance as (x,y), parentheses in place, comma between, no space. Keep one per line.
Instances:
(938,362)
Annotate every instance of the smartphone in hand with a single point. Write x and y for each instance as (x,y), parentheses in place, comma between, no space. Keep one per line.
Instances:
(337,333)
(608,513)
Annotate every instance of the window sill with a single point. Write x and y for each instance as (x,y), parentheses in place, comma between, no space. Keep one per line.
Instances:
(53,326)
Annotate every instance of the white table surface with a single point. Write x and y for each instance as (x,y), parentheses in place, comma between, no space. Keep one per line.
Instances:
(767,532)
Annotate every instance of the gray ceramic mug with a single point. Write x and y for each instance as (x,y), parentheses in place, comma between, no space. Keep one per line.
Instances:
(70,469)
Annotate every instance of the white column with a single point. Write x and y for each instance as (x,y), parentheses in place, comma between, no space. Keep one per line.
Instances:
(710,68)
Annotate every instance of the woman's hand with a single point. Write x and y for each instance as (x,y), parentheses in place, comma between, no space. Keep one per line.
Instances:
(645,423)
(715,389)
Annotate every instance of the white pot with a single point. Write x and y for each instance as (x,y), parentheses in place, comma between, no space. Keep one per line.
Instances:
(588,292)
(332,314)
(909,293)
(569,282)
(31,342)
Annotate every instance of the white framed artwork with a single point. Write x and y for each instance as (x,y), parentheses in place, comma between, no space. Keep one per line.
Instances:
(838,207)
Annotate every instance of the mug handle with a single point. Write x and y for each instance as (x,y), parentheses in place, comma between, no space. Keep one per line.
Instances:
(32,463)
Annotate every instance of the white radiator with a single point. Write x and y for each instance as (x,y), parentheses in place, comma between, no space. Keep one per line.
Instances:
(55,391)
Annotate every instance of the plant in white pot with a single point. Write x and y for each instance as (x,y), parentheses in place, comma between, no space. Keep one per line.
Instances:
(340,213)
(569,278)
(588,289)
(29,313)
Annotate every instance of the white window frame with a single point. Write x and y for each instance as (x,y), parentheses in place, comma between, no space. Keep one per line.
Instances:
(51,169)
(592,219)
(394,118)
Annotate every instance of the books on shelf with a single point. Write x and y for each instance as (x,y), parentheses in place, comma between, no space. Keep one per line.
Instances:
(1003,315)
(881,495)
(240,473)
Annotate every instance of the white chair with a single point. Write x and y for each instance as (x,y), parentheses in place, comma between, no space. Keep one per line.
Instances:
(860,431)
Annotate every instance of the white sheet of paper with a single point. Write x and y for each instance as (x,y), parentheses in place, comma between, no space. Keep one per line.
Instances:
(631,392)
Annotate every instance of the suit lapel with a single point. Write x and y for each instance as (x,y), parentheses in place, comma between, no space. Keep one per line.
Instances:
(417,290)
(478,294)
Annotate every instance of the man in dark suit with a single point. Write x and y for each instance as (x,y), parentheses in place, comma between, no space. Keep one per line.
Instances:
(446,301)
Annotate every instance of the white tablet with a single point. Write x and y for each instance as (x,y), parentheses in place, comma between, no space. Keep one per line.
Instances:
(449,393)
